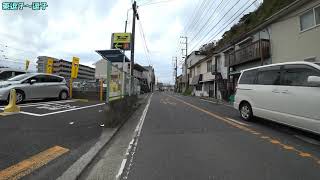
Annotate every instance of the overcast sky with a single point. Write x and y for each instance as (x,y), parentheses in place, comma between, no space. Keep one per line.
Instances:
(77,28)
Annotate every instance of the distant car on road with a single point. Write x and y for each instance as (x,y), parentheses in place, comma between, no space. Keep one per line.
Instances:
(288,93)
(34,86)
(6,73)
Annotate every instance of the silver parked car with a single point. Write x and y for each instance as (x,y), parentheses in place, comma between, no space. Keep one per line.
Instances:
(34,86)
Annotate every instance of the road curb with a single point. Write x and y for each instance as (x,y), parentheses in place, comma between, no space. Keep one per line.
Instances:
(75,170)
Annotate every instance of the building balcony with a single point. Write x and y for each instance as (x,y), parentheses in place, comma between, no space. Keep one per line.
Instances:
(249,53)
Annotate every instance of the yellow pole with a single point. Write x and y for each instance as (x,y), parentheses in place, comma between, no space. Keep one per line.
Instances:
(12,107)
(70,88)
(101,89)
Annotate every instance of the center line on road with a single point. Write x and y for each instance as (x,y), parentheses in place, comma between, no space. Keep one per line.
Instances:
(256,133)
(27,166)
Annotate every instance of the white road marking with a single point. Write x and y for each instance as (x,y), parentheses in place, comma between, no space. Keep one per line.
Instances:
(238,122)
(216,102)
(57,112)
(133,143)
(123,164)
(43,103)
(30,114)
(68,110)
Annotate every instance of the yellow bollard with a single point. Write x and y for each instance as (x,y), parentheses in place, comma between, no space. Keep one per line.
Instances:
(12,107)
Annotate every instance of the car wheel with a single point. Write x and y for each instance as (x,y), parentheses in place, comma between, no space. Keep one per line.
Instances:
(19,97)
(63,95)
(246,111)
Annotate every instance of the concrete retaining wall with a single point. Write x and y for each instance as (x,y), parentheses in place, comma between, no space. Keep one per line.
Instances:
(118,111)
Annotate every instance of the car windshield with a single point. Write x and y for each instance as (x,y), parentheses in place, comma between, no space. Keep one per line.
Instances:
(19,77)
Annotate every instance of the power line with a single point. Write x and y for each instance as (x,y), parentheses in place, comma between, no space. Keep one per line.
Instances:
(156,2)
(204,13)
(191,22)
(146,49)
(215,35)
(215,25)
(212,27)
(17,49)
(205,25)
(192,15)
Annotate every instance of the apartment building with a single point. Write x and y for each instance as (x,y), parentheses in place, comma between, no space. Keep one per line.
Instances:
(63,68)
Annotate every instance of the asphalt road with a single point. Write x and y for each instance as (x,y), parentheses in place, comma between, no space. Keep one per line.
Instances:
(42,127)
(188,138)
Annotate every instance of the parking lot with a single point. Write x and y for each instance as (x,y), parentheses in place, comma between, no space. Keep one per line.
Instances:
(40,109)
(53,131)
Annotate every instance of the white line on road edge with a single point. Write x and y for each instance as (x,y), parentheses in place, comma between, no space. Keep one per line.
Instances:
(133,143)
(216,102)
(237,122)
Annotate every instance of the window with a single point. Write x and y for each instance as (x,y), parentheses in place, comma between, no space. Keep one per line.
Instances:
(248,77)
(19,77)
(310,19)
(199,87)
(53,79)
(269,76)
(297,75)
(317,14)
(6,75)
(39,78)
(198,69)
(209,66)
(307,20)
(18,73)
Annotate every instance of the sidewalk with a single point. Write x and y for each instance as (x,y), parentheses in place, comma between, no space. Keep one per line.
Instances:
(107,162)
(217,101)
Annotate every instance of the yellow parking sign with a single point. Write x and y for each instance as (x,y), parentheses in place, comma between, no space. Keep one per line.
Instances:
(75,67)
(27,64)
(121,37)
(49,65)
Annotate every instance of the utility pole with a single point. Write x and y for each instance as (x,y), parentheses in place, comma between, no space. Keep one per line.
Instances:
(175,71)
(185,59)
(135,15)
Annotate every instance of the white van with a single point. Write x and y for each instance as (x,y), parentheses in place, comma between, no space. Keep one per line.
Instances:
(288,93)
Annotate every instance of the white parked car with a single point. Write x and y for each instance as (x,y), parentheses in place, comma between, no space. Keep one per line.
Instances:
(288,93)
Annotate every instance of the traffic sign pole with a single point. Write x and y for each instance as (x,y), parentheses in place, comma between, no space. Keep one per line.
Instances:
(123,74)
(70,87)
(101,89)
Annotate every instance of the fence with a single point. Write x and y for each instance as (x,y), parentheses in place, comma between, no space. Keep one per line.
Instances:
(119,87)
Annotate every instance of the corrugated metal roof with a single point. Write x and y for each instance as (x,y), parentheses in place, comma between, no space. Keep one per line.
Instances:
(113,55)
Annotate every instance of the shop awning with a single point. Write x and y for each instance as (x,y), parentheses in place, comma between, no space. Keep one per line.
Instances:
(196,79)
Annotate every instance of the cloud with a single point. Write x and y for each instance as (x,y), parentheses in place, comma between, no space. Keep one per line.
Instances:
(79,27)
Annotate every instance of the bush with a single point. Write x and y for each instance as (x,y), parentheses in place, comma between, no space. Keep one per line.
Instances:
(187,92)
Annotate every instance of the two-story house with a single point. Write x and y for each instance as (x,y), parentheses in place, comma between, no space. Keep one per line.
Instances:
(191,59)
(201,77)
(291,34)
